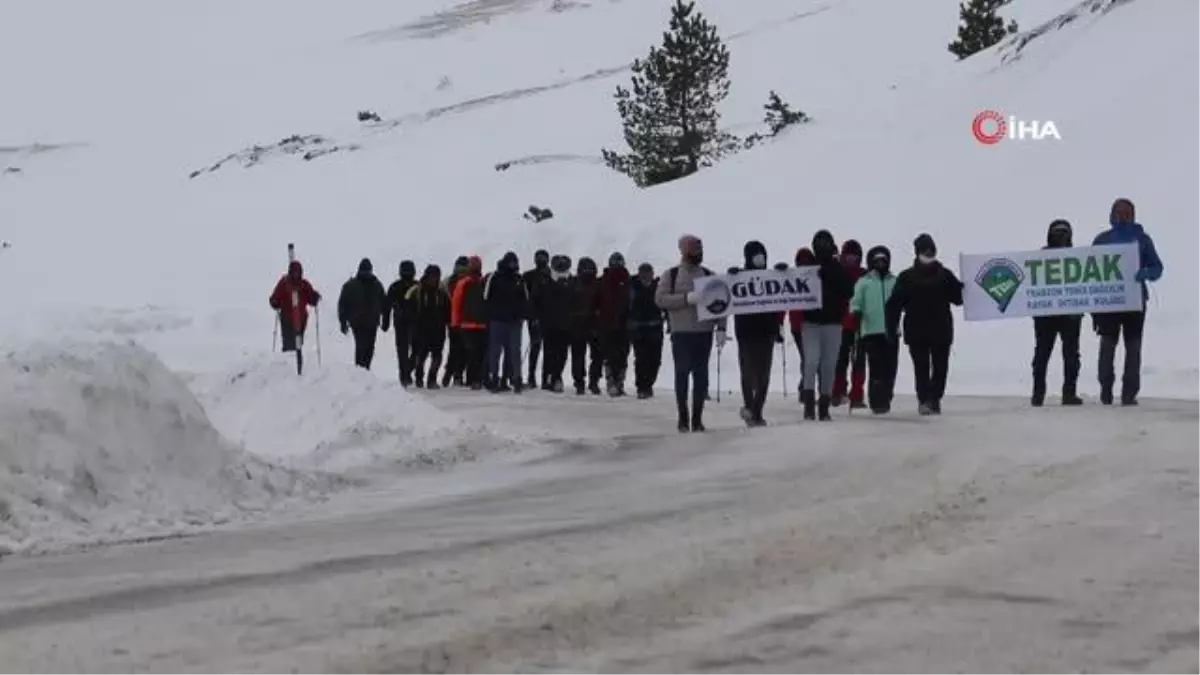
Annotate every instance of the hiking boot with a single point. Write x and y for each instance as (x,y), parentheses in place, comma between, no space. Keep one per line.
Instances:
(758,421)
(698,426)
(936,407)
(476,386)
(684,424)
(823,408)
(881,409)
(1106,394)
(857,405)
(1069,397)
(924,409)
(1128,400)
(810,404)
(643,394)
(579,390)
(517,387)
(594,388)
(837,401)
(557,387)
(746,416)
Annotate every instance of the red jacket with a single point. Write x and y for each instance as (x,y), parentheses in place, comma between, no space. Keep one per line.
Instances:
(292,296)
(613,299)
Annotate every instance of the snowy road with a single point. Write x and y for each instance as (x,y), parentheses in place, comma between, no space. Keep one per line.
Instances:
(994,538)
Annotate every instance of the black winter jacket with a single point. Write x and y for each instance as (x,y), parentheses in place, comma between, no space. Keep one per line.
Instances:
(430,307)
(554,303)
(535,281)
(923,294)
(363,301)
(836,290)
(644,312)
(398,313)
(585,306)
(506,297)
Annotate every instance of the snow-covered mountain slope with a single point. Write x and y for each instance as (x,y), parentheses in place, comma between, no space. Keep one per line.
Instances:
(130,99)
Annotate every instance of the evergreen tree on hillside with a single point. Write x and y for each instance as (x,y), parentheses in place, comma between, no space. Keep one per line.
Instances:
(779,115)
(670,115)
(981,27)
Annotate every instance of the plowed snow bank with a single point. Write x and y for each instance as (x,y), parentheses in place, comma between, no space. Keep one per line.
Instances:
(338,418)
(102,442)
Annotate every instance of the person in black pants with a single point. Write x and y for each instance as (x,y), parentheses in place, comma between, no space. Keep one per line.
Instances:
(455,360)
(924,294)
(535,280)
(646,322)
(555,306)
(871,294)
(1111,327)
(362,305)
(757,335)
(398,311)
(1047,329)
(584,327)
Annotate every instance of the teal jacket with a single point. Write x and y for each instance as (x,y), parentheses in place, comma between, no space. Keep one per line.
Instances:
(870,296)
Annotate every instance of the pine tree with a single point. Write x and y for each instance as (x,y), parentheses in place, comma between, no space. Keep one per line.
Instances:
(780,115)
(670,115)
(980,28)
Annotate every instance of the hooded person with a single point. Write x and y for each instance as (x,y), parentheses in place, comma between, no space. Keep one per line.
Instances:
(756,336)
(507,303)
(583,323)
(645,330)
(881,348)
(454,360)
(1111,327)
(804,258)
(399,313)
(468,315)
(430,307)
(535,280)
(852,359)
(612,317)
(822,331)
(290,299)
(1047,329)
(555,309)
(692,338)
(924,294)
(362,307)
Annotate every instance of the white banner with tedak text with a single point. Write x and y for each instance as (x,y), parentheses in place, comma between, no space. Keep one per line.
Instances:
(757,291)
(1085,279)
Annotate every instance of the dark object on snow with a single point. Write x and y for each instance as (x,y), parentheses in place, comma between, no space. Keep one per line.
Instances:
(368,116)
(537,214)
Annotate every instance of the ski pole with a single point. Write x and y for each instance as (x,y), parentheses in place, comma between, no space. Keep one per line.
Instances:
(317,313)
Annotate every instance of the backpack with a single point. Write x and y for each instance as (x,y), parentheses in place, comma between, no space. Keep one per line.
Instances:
(673,274)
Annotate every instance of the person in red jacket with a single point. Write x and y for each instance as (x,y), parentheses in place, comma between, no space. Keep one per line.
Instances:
(804,258)
(612,317)
(291,299)
(852,255)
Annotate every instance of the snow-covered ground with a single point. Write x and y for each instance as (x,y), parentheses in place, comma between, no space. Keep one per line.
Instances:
(155,158)
(993,539)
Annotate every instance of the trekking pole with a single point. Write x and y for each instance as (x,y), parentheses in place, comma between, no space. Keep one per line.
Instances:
(719,349)
(275,331)
(317,313)
(783,353)
(853,359)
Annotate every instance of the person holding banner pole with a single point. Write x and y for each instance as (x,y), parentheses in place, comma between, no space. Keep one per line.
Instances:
(924,294)
(756,335)
(804,258)
(1111,327)
(1046,329)
(691,339)
(822,332)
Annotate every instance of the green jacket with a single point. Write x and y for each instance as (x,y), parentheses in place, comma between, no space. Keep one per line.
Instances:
(870,296)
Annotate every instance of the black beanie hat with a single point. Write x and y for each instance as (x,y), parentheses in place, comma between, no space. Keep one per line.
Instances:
(823,244)
(852,247)
(924,244)
(432,271)
(753,248)
(408,269)
(460,261)
(541,256)
(365,266)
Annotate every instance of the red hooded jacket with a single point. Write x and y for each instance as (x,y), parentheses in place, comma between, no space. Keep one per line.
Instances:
(292,296)
(613,299)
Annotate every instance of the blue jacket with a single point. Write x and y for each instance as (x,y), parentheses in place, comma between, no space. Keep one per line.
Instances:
(1150,266)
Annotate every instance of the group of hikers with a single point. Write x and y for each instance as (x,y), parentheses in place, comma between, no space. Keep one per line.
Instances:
(848,348)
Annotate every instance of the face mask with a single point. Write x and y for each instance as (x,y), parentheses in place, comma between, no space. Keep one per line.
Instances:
(558,276)
(694,258)
(850,260)
(759,261)
(926,259)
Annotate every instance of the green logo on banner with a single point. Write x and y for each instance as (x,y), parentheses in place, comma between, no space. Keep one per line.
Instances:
(1000,278)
